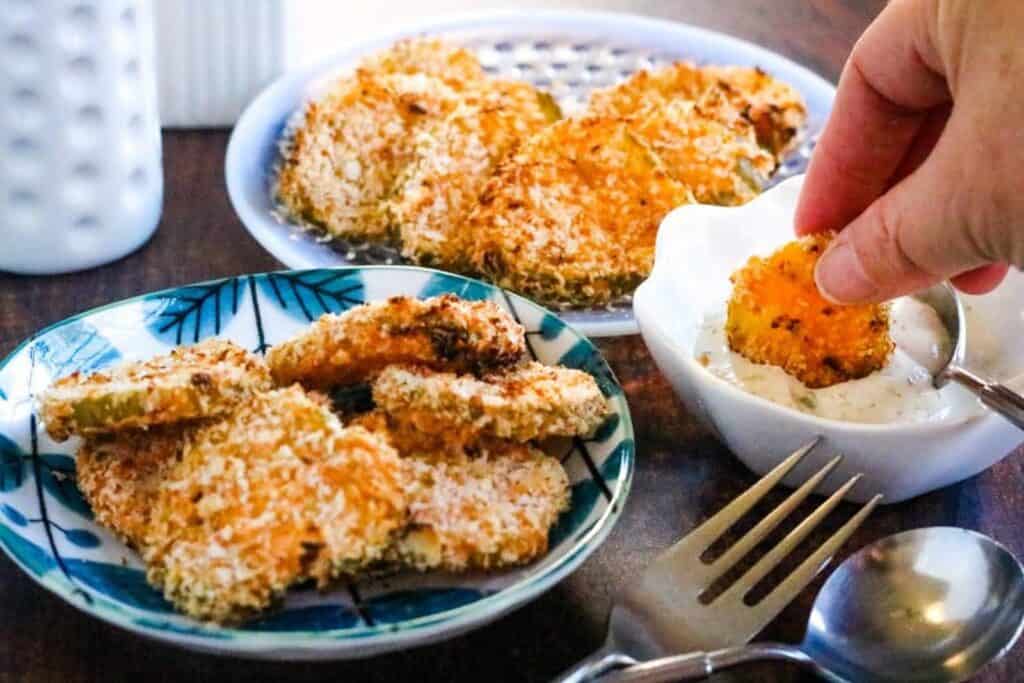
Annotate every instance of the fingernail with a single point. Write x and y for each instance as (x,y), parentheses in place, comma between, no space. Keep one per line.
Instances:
(840,276)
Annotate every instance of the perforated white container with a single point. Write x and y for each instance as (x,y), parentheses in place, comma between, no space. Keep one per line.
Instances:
(80,175)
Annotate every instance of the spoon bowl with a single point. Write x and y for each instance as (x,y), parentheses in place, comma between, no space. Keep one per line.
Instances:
(932,605)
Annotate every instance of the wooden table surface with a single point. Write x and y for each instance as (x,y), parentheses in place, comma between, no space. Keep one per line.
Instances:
(683,473)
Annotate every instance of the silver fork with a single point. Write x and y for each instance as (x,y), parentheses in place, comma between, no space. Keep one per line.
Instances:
(662,612)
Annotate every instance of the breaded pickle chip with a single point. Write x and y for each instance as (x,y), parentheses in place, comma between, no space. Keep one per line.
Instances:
(190,382)
(275,493)
(443,332)
(774,108)
(487,512)
(120,475)
(344,159)
(532,401)
(777,316)
(453,163)
(571,217)
(456,66)
(720,162)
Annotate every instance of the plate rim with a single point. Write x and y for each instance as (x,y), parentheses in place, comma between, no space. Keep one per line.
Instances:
(274,238)
(364,641)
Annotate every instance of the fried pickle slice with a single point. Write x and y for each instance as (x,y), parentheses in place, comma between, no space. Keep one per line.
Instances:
(343,160)
(775,109)
(720,161)
(453,162)
(531,401)
(442,332)
(203,380)
(571,217)
(120,475)
(488,512)
(777,316)
(275,493)
(456,66)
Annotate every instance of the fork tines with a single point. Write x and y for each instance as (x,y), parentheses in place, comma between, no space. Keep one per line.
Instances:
(782,594)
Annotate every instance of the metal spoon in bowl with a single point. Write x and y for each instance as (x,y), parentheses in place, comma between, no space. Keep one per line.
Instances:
(933,605)
(1000,398)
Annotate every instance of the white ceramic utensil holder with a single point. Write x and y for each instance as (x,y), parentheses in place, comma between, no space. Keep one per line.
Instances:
(80,175)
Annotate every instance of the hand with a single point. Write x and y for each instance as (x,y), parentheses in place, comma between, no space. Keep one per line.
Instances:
(921,164)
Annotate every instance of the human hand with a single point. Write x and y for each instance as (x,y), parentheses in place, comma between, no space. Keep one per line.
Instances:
(921,164)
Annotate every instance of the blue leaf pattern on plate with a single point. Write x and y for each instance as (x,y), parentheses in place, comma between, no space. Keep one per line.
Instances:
(15,517)
(37,560)
(308,294)
(551,327)
(77,346)
(312,618)
(402,605)
(82,538)
(188,315)
(126,585)
(12,465)
(606,429)
(439,283)
(584,356)
(57,473)
(584,494)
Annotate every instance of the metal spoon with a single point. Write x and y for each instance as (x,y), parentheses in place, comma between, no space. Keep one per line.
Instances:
(1000,398)
(932,605)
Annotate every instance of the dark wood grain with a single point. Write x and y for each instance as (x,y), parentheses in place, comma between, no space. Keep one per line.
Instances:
(683,476)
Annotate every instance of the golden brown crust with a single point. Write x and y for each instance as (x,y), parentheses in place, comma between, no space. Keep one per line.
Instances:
(776,315)
(531,401)
(487,512)
(456,66)
(453,162)
(120,475)
(775,109)
(275,493)
(443,332)
(190,382)
(571,217)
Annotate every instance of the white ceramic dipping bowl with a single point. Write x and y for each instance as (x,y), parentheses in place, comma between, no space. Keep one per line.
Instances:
(698,248)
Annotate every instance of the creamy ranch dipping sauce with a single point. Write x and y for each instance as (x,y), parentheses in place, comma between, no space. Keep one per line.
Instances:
(900,392)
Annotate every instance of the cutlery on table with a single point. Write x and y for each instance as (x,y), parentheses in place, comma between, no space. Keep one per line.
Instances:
(662,612)
(932,604)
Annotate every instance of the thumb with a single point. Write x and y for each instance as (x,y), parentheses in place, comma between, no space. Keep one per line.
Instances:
(913,236)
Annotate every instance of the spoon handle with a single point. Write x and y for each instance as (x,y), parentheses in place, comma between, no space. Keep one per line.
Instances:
(996,396)
(699,665)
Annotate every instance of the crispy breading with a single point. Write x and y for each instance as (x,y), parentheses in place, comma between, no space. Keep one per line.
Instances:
(405,438)
(190,382)
(571,217)
(456,66)
(120,475)
(490,511)
(275,493)
(720,162)
(775,109)
(777,316)
(453,163)
(342,162)
(531,401)
(442,332)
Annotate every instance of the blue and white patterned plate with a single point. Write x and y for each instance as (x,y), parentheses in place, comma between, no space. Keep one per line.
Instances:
(47,529)
(566,52)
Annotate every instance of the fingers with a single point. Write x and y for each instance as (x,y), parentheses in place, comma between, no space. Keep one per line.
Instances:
(981,280)
(884,104)
(916,234)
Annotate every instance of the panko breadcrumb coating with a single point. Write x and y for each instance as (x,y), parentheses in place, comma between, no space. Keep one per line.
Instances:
(442,332)
(120,475)
(776,315)
(203,380)
(774,108)
(456,66)
(571,217)
(452,165)
(344,159)
(275,493)
(532,401)
(487,512)
(721,163)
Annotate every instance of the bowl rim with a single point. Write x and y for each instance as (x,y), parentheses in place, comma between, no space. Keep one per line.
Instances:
(306,644)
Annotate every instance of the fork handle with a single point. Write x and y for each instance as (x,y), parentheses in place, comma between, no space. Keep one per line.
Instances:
(698,665)
(594,666)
